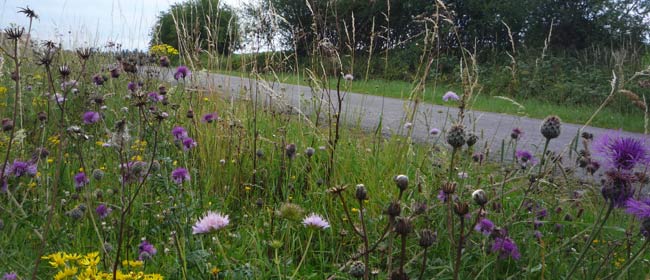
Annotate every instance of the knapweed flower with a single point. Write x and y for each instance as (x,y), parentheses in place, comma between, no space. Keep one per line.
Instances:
(181,72)
(484,226)
(617,187)
(80,180)
(212,221)
(20,168)
(450,95)
(505,247)
(188,143)
(146,250)
(525,157)
(155,97)
(91,117)
(621,152)
(638,208)
(180,175)
(348,77)
(98,79)
(10,276)
(132,86)
(209,118)
(103,211)
(179,133)
(516,133)
(434,131)
(315,221)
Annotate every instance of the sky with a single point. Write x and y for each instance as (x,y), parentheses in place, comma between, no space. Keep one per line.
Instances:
(79,23)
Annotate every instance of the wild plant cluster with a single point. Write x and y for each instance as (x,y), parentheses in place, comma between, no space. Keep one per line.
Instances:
(111,173)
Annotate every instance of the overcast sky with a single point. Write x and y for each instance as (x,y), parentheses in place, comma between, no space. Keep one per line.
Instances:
(91,22)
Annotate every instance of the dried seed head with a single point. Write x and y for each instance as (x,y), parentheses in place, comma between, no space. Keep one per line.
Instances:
(449,188)
(394,209)
(14,32)
(7,124)
(361,193)
(461,208)
(41,116)
(84,53)
(309,152)
(403,226)
(290,150)
(65,71)
(427,238)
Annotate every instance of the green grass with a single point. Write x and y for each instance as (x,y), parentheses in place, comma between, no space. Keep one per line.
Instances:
(534,108)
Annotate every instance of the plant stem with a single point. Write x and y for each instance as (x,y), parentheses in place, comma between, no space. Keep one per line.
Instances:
(304,255)
(459,248)
(592,236)
(541,163)
(366,257)
(633,259)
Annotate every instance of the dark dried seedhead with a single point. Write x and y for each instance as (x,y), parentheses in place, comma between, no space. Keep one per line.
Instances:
(402,182)
(7,124)
(403,226)
(65,71)
(28,12)
(427,238)
(14,32)
(46,57)
(357,269)
(394,209)
(449,188)
(85,53)
(333,190)
(41,116)
(461,208)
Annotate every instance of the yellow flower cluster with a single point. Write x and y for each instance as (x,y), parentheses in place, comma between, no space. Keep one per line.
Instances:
(163,50)
(3,90)
(75,266)
(139,145)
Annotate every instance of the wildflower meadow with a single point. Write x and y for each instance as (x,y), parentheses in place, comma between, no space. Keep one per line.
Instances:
(123,165)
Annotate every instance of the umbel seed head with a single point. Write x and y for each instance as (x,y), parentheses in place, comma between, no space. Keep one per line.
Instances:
(361,192)
(357,269)
(551,127)
(456,136)
(480,197)
(402,182)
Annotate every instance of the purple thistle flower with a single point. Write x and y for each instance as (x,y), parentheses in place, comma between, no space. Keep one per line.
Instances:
(59,98)
(538,234)
(188,143)
(542,213)
(155,97)
(621,152)
(442,196)
(98,79)
(132,86)
(179,133)
(506,248)
(80,180)
(103,211)
(10,276)
(434,131)
(450,95)
(516,133)
(91,117)
(484,226)
(617,187)
(525,157)
(181,72)
(20,168)
(638,208)
(180,175)
(146,250)
(208,118)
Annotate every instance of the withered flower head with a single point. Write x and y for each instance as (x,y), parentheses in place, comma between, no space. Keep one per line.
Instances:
(28,12)
(14,32)
(85,53)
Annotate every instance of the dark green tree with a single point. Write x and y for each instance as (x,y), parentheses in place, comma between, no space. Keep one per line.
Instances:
(204,24)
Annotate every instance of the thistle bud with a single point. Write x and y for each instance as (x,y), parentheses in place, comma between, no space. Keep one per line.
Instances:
(471,139)
(361,193)
(551,127)
(480,197)
(309,152)
(456,136)
(290,150)
(427,238)
(394,209)
(402,182)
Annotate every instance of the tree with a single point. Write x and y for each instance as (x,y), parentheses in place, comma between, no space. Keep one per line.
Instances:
(198,24)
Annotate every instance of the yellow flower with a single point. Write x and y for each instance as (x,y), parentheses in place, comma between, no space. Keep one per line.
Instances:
(56,259)
(65,273)
(32,184)
(247,188)
(215,271)
(49,160)
(90,259)
(3,90)
(99,143)
(205,99)
(355,210)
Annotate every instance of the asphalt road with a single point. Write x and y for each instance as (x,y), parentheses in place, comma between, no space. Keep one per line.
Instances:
(368,111)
